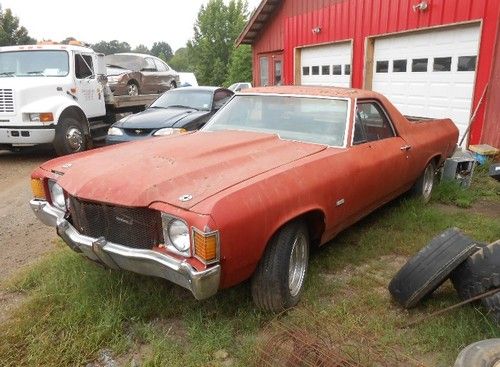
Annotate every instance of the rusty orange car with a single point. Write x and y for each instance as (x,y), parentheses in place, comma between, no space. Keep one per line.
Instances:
(275,172)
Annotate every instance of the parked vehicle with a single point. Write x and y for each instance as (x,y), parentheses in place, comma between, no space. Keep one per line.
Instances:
(57,94)
(133,74)
(276,171)
(174,112)
(187,80)
(237,87)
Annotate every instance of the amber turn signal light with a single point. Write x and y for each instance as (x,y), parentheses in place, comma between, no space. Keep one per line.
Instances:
(46,117)
(37,188)
(205,246)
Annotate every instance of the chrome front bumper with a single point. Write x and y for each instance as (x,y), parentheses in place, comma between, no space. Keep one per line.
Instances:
(202,284)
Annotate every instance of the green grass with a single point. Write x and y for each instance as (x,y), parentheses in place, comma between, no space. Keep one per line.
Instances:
(74,309)
(482,187)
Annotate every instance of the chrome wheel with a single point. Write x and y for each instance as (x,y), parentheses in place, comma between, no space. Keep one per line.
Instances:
(298,265)
(428,182)
(75,139)
(132,89)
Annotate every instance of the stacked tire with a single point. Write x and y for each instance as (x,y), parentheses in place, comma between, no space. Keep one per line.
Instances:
(478,274)
(473,267)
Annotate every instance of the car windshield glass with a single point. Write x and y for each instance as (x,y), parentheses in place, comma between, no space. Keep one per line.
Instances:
(200,100)
(46,63)
(306,119)
(130,62)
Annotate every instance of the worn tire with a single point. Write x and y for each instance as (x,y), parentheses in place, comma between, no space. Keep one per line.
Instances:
(271,288)
(422,188)
(68,133)
(430,267)
(479,273)
(485,353)
(492,304)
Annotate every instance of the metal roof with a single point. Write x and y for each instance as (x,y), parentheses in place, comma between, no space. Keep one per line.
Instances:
(258,21)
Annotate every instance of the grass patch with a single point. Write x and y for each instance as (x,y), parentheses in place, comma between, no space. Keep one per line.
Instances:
(482,187)
(74,309)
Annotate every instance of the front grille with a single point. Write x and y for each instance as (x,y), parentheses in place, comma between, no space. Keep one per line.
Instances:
(138,132)
(132,227)
(6,100)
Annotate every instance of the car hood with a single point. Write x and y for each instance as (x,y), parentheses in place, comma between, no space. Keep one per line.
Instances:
(199,164)
(116,71)
(154,118)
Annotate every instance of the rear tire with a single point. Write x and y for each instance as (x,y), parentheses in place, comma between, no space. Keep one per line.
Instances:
(70,136)
(279,278)
(133,89)
(422,189)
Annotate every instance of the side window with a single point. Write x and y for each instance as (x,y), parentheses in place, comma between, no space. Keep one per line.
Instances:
(160,66)
(83,66)
(371,123)
(221,97)
(149,64)
(264,71)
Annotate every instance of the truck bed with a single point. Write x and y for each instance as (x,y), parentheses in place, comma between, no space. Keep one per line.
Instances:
(119,102)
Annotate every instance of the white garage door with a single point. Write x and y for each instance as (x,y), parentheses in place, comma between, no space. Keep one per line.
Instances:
(429,73)
(327,65)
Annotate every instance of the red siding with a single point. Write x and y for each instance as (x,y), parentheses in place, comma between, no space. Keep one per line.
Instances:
(491,129)
(291,26)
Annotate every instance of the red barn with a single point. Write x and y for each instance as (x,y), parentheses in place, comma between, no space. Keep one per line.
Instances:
(431,58)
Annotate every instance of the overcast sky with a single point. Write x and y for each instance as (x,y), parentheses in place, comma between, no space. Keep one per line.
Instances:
(95,20)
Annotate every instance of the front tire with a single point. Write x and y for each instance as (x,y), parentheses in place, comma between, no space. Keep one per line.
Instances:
(278,281)
(132,89)
(422,189)
(70,137)
(173,85)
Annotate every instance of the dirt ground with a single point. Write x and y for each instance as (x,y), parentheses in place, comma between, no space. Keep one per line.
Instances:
(22,237)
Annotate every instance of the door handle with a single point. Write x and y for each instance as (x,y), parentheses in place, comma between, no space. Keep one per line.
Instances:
(405,148)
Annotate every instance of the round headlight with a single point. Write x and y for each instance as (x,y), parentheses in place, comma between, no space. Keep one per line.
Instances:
(57,195)
(178,233)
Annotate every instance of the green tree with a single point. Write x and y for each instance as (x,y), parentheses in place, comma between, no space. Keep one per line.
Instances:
(240,65)
(111,47)
(216,28)
(67,40)
(141,49)
(162,50)
(10,31)
(181,60)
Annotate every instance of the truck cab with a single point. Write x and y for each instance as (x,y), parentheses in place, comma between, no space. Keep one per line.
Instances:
(49,94)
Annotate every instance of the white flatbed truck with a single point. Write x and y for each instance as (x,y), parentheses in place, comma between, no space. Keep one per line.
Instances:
(57,94)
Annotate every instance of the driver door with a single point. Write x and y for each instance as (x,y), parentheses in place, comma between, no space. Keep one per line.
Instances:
(89,92)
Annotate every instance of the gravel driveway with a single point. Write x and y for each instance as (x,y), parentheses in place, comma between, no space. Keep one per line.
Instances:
(23,239)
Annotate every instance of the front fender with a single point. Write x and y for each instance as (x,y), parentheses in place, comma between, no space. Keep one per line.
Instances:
(54,104)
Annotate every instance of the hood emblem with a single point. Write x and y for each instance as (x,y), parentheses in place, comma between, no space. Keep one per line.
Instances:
(66,165)
(185,197)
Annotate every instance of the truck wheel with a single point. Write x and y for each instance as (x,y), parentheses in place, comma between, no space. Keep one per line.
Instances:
(279,278)
(485,353)
(492,304)
(70,137)
(132,89)
(422,188)
(479,273)
(430,267)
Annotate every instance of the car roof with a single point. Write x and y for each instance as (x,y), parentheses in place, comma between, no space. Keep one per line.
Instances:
(201,88)
(314,91)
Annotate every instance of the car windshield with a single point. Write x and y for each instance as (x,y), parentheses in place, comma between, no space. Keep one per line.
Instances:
(199,100)
(305,119)
(47,63)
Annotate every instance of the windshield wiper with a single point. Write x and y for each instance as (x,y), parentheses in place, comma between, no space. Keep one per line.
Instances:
(7,73)
(182,106)
(35,73)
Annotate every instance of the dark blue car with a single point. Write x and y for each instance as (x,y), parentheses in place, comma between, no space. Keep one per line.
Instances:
(175,111)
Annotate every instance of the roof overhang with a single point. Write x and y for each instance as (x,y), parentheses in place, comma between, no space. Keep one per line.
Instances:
(258,21)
